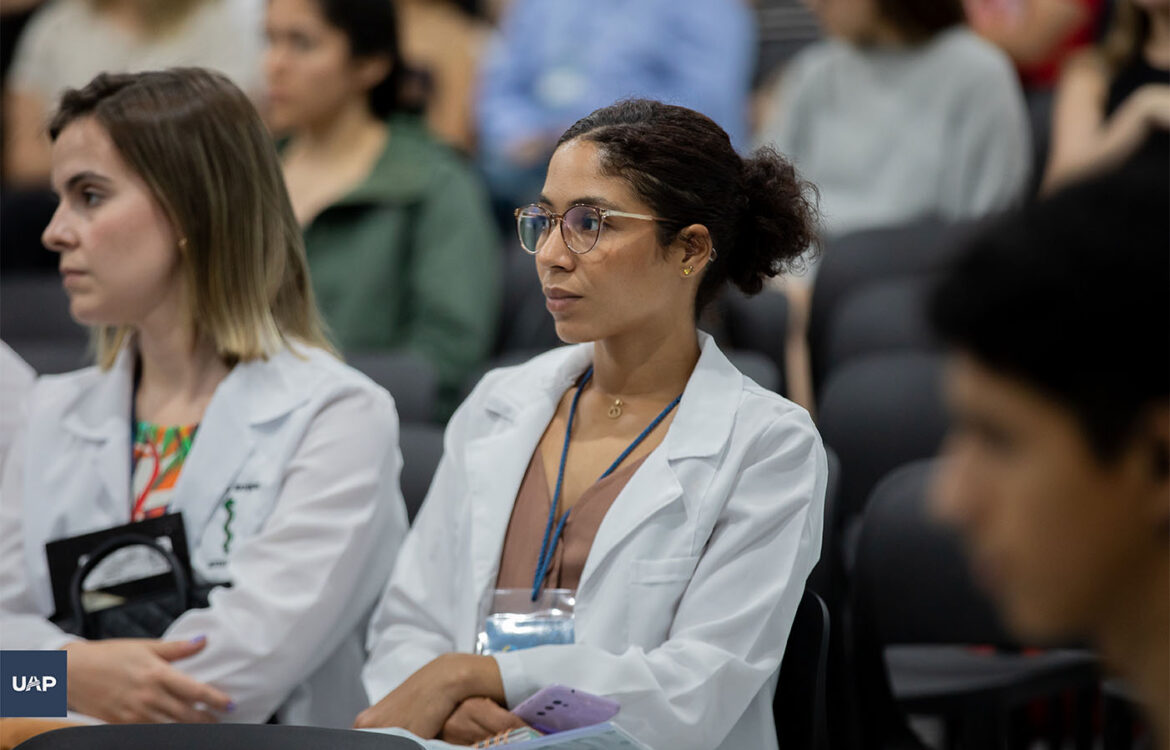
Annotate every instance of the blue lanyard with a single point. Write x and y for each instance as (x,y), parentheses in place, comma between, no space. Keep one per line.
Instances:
(549,546)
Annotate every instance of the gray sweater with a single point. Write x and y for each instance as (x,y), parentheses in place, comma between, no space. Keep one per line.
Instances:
(890,135)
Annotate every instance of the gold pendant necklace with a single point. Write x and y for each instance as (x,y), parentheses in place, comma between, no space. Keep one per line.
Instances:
(615,411)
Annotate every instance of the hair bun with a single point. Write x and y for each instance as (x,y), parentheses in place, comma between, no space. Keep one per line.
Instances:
(778,224)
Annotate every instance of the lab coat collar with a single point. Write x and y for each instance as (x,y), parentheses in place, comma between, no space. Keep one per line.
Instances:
(705,414)
(252,394)
(100,414)
(101,410)
(701,427)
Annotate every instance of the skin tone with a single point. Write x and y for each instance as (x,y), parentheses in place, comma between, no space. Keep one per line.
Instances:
(120,265)
(318,92)
(629,295)
(1029,33)
(1069,545)
(856,21)
(1084,142)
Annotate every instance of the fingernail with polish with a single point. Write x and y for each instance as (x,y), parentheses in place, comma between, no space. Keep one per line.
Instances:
(231,706)
(197,640)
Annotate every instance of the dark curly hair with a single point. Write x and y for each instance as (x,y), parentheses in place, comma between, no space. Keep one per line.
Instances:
(1070,296)
(761,216)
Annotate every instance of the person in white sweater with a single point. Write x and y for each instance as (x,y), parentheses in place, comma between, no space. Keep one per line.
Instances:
(902,113)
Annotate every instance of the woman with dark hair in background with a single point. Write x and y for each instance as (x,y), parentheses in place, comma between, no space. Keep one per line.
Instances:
(401,246)
(706,479)
(1113,102)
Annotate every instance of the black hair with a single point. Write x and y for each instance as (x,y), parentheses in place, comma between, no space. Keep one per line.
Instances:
(761,216)
(920,20)
(371,27)
(1070,296)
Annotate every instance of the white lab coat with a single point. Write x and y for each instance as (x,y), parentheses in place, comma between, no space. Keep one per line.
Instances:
(693,579)
(308,449)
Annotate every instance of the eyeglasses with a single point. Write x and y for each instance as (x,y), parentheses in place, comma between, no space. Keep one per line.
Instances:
(580,226)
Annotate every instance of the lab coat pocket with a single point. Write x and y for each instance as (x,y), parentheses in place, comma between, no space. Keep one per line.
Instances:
(656,586)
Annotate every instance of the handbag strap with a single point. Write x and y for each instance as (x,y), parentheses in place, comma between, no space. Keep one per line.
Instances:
(107,548)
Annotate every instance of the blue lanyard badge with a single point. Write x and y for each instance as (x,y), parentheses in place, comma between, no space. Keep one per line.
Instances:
(548,546)
(516,623)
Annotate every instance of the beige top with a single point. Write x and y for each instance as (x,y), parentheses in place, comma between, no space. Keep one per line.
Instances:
(68,42)
(530,515)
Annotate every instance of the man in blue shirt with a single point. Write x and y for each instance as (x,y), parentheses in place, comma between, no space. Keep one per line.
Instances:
(553,63)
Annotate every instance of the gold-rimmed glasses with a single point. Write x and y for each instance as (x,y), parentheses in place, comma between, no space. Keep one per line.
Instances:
(581,225)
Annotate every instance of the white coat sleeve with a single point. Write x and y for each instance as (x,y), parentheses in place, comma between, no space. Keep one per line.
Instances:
(416,619)
(22,624)
(731,626)
(311,575)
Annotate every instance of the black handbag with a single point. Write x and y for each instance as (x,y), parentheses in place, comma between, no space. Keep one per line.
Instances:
(145,615)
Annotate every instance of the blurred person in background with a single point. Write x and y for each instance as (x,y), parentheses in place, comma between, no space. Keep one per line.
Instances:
(402,250)
(551,64)
(215,396)
(903,113)
(1038,35)
(1113,102)
(68,42)
(1057,465)
(444,43)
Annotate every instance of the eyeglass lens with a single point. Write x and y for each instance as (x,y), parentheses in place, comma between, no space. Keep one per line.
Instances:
(580,228)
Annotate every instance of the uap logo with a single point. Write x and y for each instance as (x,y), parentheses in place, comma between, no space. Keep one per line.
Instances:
(32,683)
(39,683)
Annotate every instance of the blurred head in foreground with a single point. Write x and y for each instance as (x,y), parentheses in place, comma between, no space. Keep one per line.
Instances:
(1058,461)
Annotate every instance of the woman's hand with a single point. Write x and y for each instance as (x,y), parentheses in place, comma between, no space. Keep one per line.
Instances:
(477,719)
(427,699)
(131,680)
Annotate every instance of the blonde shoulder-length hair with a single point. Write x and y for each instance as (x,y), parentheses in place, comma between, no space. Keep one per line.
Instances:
(199,144)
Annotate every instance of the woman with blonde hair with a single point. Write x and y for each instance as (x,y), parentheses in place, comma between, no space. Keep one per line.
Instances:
(1113,102)
(216,399)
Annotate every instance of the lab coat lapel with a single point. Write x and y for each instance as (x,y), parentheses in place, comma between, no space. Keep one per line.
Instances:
(254,393)
(652,487)
(701,428)
(495,469)
(101,417)
(496,462)
(222,444)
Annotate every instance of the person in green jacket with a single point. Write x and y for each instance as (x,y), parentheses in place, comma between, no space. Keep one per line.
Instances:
(402,249)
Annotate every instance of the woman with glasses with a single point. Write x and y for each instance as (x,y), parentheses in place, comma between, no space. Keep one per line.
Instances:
(630,516)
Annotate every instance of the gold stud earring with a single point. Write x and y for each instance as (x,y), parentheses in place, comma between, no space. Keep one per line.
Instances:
(688,270)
